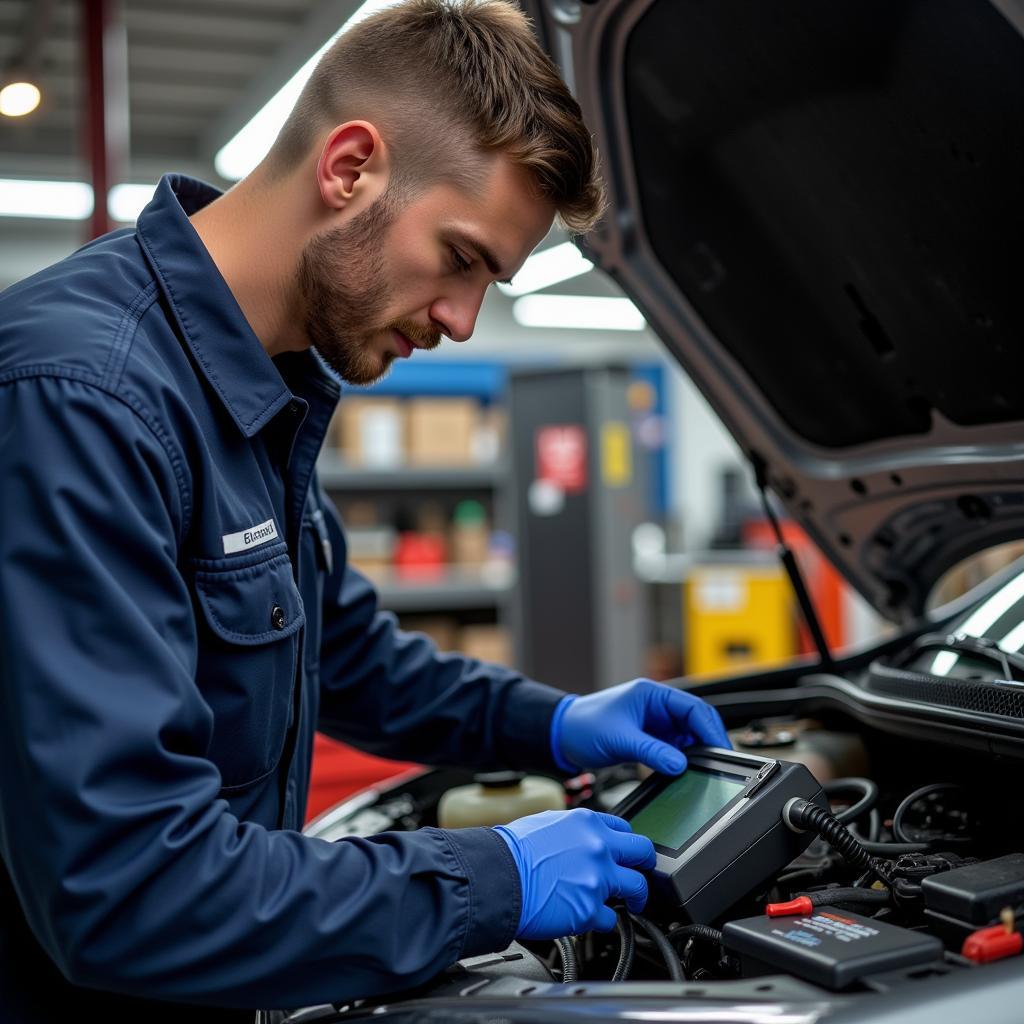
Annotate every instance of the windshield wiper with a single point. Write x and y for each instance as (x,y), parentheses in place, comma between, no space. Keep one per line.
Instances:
(980,646)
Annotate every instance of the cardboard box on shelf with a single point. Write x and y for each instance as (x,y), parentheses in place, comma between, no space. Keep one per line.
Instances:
(486,643)
(371,431)
(440,431)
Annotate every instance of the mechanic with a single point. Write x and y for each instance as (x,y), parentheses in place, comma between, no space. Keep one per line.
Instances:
(178,615)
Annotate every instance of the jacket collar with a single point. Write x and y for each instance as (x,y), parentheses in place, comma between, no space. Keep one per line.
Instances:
(226,350)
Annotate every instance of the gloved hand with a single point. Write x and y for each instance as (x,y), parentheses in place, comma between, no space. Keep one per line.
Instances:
(570,863)
(638,721)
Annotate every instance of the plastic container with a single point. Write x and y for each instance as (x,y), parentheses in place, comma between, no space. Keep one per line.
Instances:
(496,798)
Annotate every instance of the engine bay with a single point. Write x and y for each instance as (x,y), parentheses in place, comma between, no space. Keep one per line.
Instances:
(935,885)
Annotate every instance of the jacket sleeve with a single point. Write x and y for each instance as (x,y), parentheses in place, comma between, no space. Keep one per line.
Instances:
(131,872)
(392,693)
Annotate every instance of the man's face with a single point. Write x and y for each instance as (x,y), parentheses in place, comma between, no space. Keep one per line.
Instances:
(389,281)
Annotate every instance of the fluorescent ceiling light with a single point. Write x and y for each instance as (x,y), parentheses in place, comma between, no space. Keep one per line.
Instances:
(60,200)
(125,202)
(543,269)
(69,200)
(19,98)
(583,312)
(252,143)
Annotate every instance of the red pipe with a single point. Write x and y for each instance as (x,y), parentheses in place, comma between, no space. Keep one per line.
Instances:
(105,135)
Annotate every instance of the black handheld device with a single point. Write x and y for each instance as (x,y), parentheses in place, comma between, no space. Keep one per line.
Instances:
(717,828)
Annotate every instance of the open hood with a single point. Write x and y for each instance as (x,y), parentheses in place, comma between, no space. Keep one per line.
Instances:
(820,209)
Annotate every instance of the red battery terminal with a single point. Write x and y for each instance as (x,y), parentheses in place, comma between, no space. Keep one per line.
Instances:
(801,905)
(995,943)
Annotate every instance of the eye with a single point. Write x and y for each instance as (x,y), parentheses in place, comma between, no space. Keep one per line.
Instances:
(460,263)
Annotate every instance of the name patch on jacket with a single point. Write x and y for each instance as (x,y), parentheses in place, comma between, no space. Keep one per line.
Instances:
(251,538)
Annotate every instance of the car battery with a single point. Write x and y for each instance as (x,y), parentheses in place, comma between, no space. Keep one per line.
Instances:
(960,901)
(832,948)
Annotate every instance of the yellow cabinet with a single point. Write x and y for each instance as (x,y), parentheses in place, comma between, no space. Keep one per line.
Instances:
(737,616)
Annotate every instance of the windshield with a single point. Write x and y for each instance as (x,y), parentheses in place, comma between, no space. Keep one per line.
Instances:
(999,618)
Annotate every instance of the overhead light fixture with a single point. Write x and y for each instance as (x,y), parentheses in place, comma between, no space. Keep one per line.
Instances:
(69,200)
(19,98)
(251,144)
(582,312)
(58,200)
(543,269)
(125,202)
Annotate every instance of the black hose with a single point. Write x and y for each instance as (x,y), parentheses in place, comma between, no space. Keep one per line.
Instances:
(570,968)
(801,816)
(627,946)
(868,796)
(695,931)
(894,849)
(918,794)
(668,954)
(848,895)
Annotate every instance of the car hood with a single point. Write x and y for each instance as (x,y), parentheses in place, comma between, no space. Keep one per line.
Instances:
(818,207)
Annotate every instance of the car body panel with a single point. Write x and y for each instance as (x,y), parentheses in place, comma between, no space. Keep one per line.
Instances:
(818,208)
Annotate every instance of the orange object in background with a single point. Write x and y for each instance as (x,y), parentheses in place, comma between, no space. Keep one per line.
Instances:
(339,771)
(824,584)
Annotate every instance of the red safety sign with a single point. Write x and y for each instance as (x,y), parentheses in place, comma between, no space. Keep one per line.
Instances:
(562,456)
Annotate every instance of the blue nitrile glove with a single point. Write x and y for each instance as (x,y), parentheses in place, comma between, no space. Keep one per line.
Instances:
(570,863)
(639,721)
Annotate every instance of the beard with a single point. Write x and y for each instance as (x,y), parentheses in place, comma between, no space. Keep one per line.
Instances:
(345,295)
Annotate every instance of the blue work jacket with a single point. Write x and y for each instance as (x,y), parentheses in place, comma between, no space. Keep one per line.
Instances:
(177,619)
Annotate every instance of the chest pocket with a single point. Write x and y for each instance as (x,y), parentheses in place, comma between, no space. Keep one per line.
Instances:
(251,617)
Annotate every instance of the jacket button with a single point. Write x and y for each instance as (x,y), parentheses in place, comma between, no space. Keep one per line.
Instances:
(277,619)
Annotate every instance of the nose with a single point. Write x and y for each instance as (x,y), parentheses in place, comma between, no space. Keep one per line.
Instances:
(455,316)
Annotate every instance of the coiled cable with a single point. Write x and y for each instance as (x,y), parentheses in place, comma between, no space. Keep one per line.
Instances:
(801,816)
(570,966)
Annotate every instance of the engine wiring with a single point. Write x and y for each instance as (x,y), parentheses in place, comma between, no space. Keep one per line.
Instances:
(627,945)
(884,875)
(570,964)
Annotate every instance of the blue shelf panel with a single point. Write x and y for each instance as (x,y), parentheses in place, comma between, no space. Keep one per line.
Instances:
(418,377)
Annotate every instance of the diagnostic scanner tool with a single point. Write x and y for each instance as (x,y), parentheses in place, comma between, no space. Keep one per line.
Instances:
(717,828)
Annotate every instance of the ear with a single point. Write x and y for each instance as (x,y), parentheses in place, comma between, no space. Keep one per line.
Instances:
(353,162)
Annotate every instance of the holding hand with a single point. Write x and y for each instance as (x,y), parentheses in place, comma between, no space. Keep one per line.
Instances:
(639,721)
(570,863)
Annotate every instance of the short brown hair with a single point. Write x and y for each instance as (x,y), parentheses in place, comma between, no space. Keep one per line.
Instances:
(433,71)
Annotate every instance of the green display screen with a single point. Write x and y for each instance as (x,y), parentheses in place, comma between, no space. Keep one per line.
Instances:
(683,807)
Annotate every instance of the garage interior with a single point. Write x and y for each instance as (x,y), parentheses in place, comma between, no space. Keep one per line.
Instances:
(433,467)
(559,497)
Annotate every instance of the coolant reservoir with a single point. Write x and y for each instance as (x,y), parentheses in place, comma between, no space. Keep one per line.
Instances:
(496,798)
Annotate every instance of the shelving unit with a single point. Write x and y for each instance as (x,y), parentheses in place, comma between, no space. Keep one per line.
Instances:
(335,474)
(455,589)
(467,597)
(469,593)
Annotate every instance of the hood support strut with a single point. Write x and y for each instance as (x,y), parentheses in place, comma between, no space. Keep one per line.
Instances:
(788,560)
